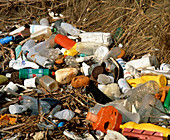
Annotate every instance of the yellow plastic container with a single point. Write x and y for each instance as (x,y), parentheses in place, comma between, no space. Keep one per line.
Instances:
(160,79)
(71,51)
(3,79)
(146,126)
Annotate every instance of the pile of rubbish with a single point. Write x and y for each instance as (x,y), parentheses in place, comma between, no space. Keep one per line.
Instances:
(60,82)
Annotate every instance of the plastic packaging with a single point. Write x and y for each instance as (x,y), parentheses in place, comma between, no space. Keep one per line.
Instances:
(14,109)
(132,71)
(165,67)
(88,48)
(70,29)
(46,33)
(30,73)
(32,104)
(127,74)
(96,37)
(48,83)
(110,90)
(136,94)
(50,53)
(104,79)
(145,109)
(3,79)
(123,85)
(6,40)
(65,114)
(44,22)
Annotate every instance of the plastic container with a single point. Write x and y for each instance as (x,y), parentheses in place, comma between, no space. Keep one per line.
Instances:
(70,29)
(88,48)
(96,37)
(30,73)
(32,104)
(165,67)
(167,101)
(46,33)
(72,51)
(44,22)
(6,40)
(65,114)
(14,109)
(160,79)
(35,28)
(48,83)
(123,85)
(29,44)
(50,53)
(140,63)
(145,109)
(64,41)
(134,72)
(136,94)
(127,74)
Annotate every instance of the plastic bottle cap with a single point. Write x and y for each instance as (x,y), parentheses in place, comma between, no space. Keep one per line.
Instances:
(121,54)
(52,73)
(20,98)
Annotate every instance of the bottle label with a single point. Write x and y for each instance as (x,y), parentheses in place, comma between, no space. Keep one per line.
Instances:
(35,73)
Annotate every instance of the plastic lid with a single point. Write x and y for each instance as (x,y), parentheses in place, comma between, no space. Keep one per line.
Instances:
(121,54)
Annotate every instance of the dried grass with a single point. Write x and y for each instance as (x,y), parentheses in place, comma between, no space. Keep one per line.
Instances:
(146,23)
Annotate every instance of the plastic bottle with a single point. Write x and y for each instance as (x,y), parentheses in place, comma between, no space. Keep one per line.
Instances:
(165,67)
(167,101)
(46,33)
(72,51)
(64,41)
(123,85)
(3,79)
(88,48)
(35,28)
(48,83)
(136,94)
(29,44)
(13,109)
(30,73)
(127,74)
(32,104)
(6,40)
(58,29)
(100,53)
(70,29)
(44,22)
(50,43)
(96,37)
(50,53)
(65,114)
(56,109)
(18,30)
(145,109)
(140,63)
(132,70)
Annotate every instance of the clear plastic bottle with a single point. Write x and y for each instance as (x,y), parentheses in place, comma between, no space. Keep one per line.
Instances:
(28,45)
(145,109)
(132,70)
(50,43)
(46,33)
(32,104)
(58,28)
(70,29)
(44,22)
(48,83)
(88,48)
(50,53)
(136,94)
